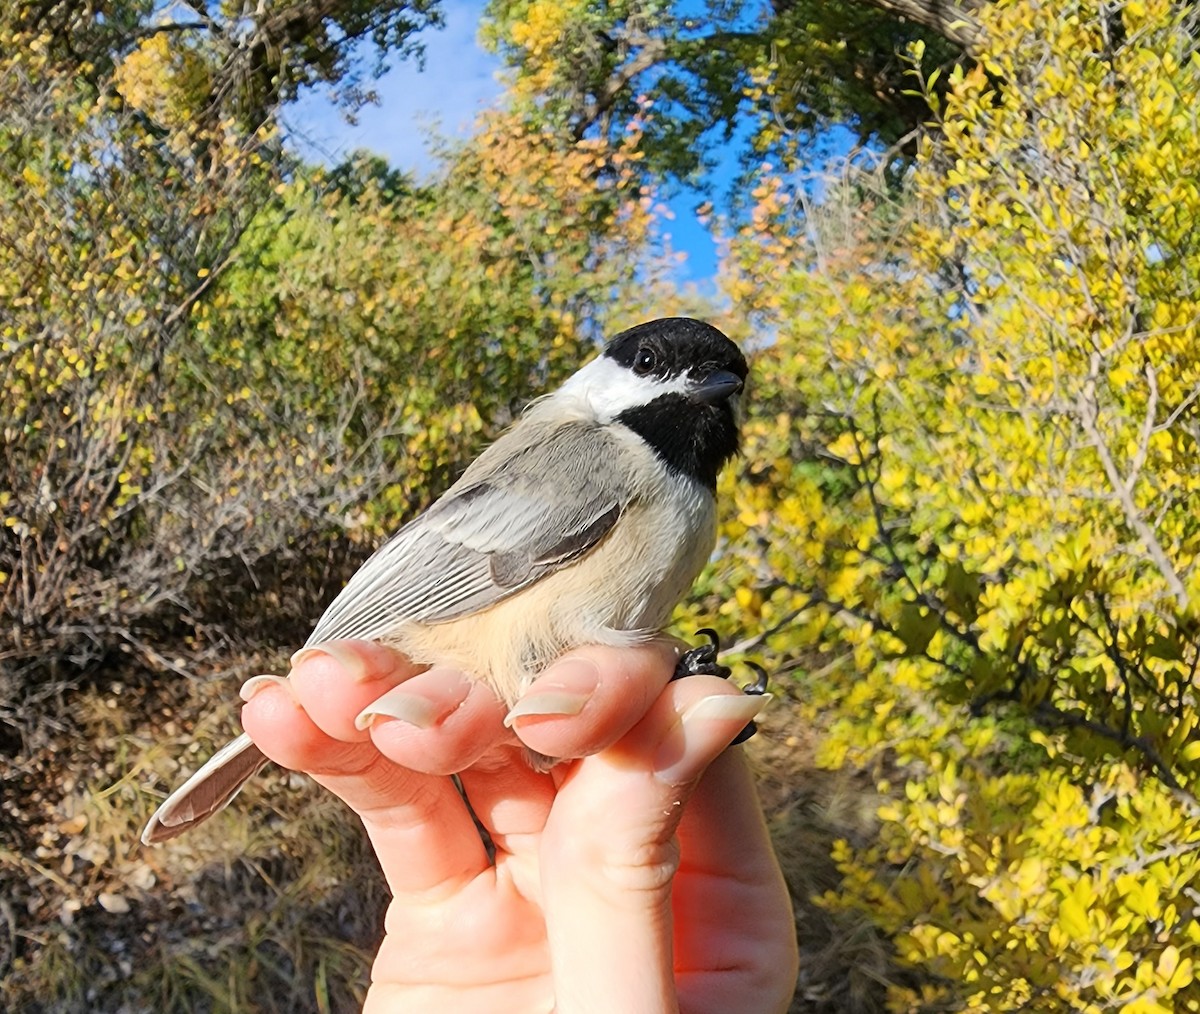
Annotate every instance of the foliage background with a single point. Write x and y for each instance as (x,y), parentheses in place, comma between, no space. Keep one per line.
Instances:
(963,533)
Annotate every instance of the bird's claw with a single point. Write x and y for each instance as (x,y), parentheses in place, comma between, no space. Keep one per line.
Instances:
(702,661)
(759,686)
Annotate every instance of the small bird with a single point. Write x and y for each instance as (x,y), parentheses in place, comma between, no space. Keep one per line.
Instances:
(584,523)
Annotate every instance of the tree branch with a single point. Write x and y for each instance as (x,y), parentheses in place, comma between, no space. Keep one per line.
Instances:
(1089,411)
(955,22)
(1050,714)
(653,50)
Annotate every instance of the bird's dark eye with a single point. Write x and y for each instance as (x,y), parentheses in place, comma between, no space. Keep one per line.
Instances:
(646,362)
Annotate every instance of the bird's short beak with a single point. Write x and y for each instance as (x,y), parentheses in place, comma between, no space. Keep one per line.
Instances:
(716,388)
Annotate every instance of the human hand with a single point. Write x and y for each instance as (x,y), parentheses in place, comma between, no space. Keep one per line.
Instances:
(631,880)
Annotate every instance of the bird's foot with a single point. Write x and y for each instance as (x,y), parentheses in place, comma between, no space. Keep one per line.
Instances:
(702,661)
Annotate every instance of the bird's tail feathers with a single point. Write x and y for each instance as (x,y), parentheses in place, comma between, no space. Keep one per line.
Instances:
(207,792)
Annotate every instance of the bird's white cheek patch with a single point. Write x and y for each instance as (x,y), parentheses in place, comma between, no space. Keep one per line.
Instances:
(607,388)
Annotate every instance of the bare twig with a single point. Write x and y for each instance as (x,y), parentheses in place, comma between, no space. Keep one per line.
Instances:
(1088,411)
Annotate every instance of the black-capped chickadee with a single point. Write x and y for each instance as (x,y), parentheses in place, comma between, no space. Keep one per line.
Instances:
(585,523)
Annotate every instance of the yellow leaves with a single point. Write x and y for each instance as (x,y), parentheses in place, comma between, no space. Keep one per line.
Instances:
(542,26)
(985,385)
(1140,895)
(1155,981)
(846,447)
(961,340)
(1051,746)
(1028,867)
(749,601)
(894,480)
(752,518)
(541,33)
(843,586)
(927,941)
(1073,924)
(164,79)
(1172,971)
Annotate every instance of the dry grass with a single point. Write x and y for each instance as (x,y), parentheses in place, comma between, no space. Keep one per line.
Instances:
(280,913)
(845,964)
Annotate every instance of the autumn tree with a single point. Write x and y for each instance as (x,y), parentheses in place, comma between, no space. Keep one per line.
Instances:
(779,73)
(204,341)
(228,375)
(972,491)
(254,58)
(117,216)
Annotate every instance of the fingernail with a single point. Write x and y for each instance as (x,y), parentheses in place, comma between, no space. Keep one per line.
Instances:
(415,709)
(722,715)
(723,707)
(346,657)
(561,690)
(254,684)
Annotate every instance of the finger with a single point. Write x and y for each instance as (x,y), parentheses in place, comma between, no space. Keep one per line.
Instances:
(607,883)
(656,763)
(723,829)
(350,674)
(589,699)
(513,802)
(439,722)
(283,730)
(734,928)
(422,832)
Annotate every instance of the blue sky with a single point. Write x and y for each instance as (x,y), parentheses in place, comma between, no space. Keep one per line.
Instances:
(459,79)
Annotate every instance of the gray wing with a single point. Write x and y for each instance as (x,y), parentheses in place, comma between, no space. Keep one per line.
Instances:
(530,504)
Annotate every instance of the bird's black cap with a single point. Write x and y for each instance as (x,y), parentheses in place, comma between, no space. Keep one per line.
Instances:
(680,345)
